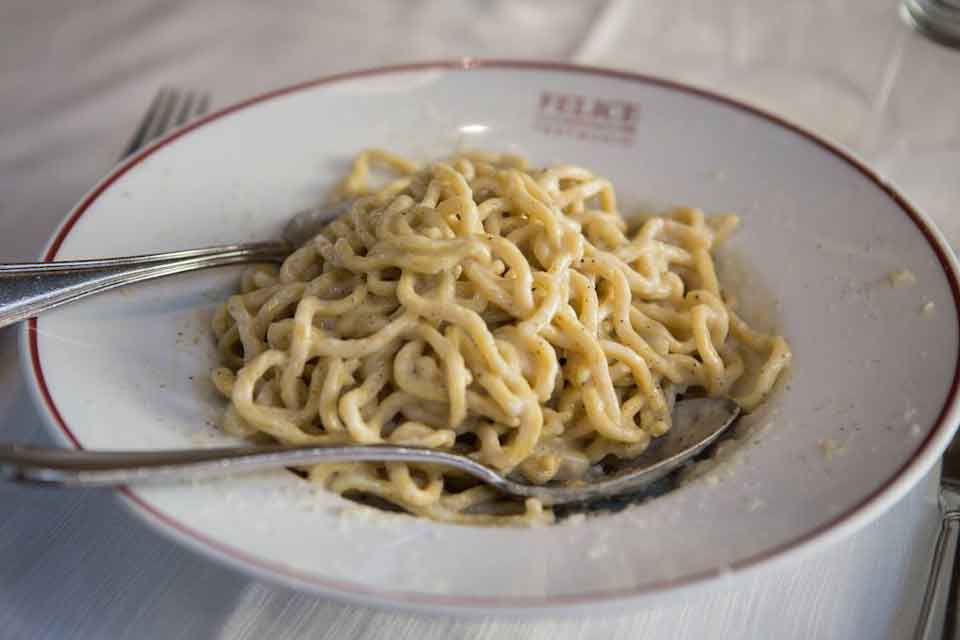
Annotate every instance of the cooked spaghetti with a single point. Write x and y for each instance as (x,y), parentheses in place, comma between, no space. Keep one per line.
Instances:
(481,306)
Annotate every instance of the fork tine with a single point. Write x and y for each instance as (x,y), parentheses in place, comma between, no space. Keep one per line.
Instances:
(183,114)
(202,105)
(169,109)
(162,123)
(139,137)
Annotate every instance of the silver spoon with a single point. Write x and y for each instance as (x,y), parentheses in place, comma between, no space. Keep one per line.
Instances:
(697,422)
(30,288)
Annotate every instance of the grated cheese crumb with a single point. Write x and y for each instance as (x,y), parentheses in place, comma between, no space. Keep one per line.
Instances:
(830,447)
(902,278)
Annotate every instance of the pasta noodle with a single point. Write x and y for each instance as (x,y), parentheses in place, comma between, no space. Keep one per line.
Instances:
(482,306)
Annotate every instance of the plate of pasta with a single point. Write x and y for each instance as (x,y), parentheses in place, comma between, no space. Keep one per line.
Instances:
(529,264)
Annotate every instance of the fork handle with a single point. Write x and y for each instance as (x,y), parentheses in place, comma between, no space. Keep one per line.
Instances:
(30,288)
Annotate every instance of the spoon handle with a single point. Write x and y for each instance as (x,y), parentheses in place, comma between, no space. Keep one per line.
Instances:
(30,288)
(72,468)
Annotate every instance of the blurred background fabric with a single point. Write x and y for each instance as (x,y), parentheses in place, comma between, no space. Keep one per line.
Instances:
(75,78)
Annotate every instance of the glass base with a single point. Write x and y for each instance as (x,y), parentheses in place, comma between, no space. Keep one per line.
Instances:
(937,19)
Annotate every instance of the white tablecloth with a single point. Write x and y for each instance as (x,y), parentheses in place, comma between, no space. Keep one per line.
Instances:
(74,80)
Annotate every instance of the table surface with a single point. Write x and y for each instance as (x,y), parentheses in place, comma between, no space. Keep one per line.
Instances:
(74,80)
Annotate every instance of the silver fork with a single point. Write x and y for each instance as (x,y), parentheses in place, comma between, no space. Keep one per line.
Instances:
(27,289)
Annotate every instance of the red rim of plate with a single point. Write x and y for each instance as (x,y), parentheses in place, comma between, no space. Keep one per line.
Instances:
(357,591)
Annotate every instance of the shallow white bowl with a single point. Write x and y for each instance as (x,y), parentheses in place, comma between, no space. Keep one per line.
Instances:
(874,379)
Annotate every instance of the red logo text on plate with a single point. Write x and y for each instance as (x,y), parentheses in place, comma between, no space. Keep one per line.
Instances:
(570,115)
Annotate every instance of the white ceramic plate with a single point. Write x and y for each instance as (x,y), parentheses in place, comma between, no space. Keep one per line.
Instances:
(874,378)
